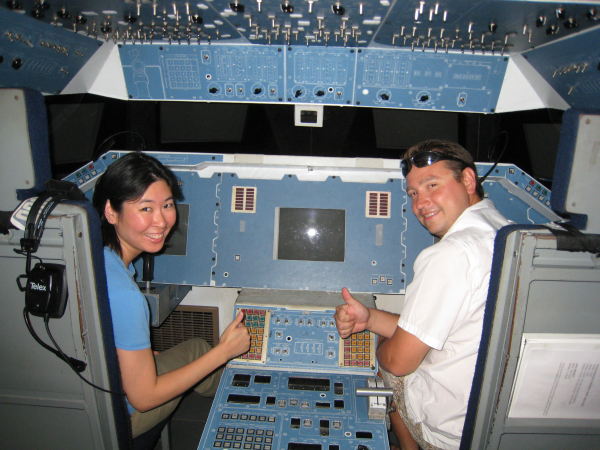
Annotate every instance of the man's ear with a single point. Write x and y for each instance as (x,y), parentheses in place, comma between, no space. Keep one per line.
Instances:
(469,179)
(110,213)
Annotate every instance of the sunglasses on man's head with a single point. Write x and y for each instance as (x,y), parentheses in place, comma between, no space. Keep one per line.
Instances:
(424,159)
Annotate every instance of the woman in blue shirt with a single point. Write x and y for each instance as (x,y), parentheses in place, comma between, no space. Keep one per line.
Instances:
(135,198)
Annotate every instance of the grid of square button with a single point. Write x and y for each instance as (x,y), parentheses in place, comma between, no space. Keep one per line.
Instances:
(244,438)
(182,73)
(357,350)
(255,320)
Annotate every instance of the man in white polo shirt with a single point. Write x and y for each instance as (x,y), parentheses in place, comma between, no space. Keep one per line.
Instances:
(428,352)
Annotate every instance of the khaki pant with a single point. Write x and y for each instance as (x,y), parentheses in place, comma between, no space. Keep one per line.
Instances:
(171,359)
(397,384)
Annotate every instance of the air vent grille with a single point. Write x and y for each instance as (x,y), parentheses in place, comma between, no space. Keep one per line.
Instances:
(243,199)
(184,323)
(378,204)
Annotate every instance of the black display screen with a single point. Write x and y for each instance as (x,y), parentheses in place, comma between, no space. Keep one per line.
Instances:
(308,384)
(303,446)
(311,234)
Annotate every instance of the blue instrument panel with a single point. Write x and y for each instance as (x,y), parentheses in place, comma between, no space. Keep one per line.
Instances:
(467,25)
(270,410)
(447,56)
(517,195)
(244,244)
(39,55)
(231,223)
(300,74)
(237,73)
(438,81)
(296,386)
(573,71)
(304,339)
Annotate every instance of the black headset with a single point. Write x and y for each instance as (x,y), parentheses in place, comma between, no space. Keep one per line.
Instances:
(46,284)
(45,289)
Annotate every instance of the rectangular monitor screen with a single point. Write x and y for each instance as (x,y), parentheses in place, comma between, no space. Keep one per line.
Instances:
(310,234)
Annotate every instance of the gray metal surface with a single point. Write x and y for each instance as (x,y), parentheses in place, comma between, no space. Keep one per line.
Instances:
(541,290)
(43,404)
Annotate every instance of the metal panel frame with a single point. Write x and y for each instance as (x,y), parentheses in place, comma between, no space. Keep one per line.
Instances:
(525,256)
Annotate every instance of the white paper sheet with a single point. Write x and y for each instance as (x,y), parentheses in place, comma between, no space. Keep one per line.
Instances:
(558,377)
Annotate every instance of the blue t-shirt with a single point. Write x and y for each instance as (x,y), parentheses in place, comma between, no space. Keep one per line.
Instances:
(128,307)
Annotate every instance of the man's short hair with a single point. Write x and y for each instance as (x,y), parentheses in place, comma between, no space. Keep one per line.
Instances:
(451,149)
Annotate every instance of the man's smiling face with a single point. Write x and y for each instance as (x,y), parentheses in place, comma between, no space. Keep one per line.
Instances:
(437,197)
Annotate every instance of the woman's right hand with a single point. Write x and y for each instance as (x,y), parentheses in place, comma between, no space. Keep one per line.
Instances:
(235,340)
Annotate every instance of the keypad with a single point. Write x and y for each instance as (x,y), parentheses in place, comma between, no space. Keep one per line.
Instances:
(358,349)
(255,320)
(244,438)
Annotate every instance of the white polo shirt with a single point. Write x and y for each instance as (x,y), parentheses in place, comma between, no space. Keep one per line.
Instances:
(444,308)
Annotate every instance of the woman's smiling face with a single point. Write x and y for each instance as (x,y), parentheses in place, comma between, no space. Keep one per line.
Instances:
(143,224)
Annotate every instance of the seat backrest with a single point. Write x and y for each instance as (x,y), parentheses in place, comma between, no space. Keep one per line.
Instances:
(542,303)
(488,318)
(35,385)
(119,405)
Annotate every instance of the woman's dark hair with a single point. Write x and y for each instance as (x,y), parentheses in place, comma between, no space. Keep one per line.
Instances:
(451,149)
(126,180)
